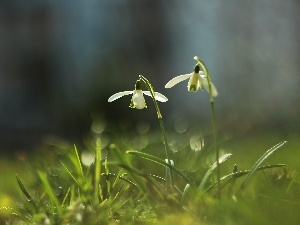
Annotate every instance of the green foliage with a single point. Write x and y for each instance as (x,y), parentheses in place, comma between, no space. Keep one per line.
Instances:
(129,196)
(259,162)
(117,189)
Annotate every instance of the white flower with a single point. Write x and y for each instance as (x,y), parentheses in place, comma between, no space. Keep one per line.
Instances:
(197,80)
(138,100)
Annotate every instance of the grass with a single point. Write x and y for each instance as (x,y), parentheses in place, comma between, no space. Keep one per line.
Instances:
(132,186)
(244,180)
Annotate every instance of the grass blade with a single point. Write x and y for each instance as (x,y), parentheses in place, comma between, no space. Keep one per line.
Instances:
(227,179)
(66,196)
(108,184)
(49,191)
(161,162)
(70,173)
(212,168)
(123,163)
(259,162)
(232,182)
(98,169)
(78,163)
(25,192)
(169,181)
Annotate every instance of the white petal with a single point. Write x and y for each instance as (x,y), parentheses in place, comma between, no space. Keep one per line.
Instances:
(138,99)
(214,90)
(119,95)
(194,83)
(158,96)
(177,79)
(204,82)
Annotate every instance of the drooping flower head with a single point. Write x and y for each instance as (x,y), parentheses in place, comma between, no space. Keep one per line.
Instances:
(197,79)
(138,100)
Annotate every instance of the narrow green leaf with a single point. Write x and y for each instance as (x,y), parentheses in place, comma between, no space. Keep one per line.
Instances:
(186,193)
(227,179)
(169,184)
(70,173)
(232,182)
(108,184)
(211,169)
(118,177)
(259,162)
(49,191)
(78,163)
(97,169)
(123,163)
(25,192)
(160,162)
(291,183)
(66,196)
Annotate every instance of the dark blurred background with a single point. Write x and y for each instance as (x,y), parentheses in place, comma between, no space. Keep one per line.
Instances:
(61,60)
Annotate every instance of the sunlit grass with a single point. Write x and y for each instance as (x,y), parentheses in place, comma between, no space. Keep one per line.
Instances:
(132,190)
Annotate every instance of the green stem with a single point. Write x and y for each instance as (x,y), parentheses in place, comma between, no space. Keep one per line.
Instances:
(161,124)
(216,148)
(206,72)
(97,169)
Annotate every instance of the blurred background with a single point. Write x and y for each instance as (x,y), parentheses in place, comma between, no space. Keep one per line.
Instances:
(61,60)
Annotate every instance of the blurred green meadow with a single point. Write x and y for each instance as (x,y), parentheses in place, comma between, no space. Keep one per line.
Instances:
(271,197)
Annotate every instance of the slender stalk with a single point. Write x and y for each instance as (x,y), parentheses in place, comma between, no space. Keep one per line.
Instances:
(214,124)
(216,147)
(97,169)
(161,124)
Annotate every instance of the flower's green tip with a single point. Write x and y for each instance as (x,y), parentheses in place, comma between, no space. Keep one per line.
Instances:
(192,88)
(138,85)
(197,68)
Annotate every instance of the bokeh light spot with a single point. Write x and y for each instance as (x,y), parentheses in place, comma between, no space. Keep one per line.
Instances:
(197,142)
(87,158)
(181,125)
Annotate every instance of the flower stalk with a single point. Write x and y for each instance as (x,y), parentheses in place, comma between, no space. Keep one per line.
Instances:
(160,119)
(214,124)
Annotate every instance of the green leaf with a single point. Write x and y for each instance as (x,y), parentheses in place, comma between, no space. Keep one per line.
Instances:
(70,173)
(160,162)
(123,163)
(50,192)
(227,179)
(78,163)
(211,169)
(259,162)
(25,192)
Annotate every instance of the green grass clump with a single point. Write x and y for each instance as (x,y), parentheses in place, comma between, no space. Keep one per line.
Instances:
(125,193)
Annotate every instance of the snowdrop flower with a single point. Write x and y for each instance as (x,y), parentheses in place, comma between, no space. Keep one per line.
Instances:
(138,100)
(197,80)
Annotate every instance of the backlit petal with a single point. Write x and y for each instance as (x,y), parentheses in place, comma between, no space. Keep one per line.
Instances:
(214,90)
(193,84)
(138,99)
(177,79)
(158,96)
(204,82)
(119,95)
